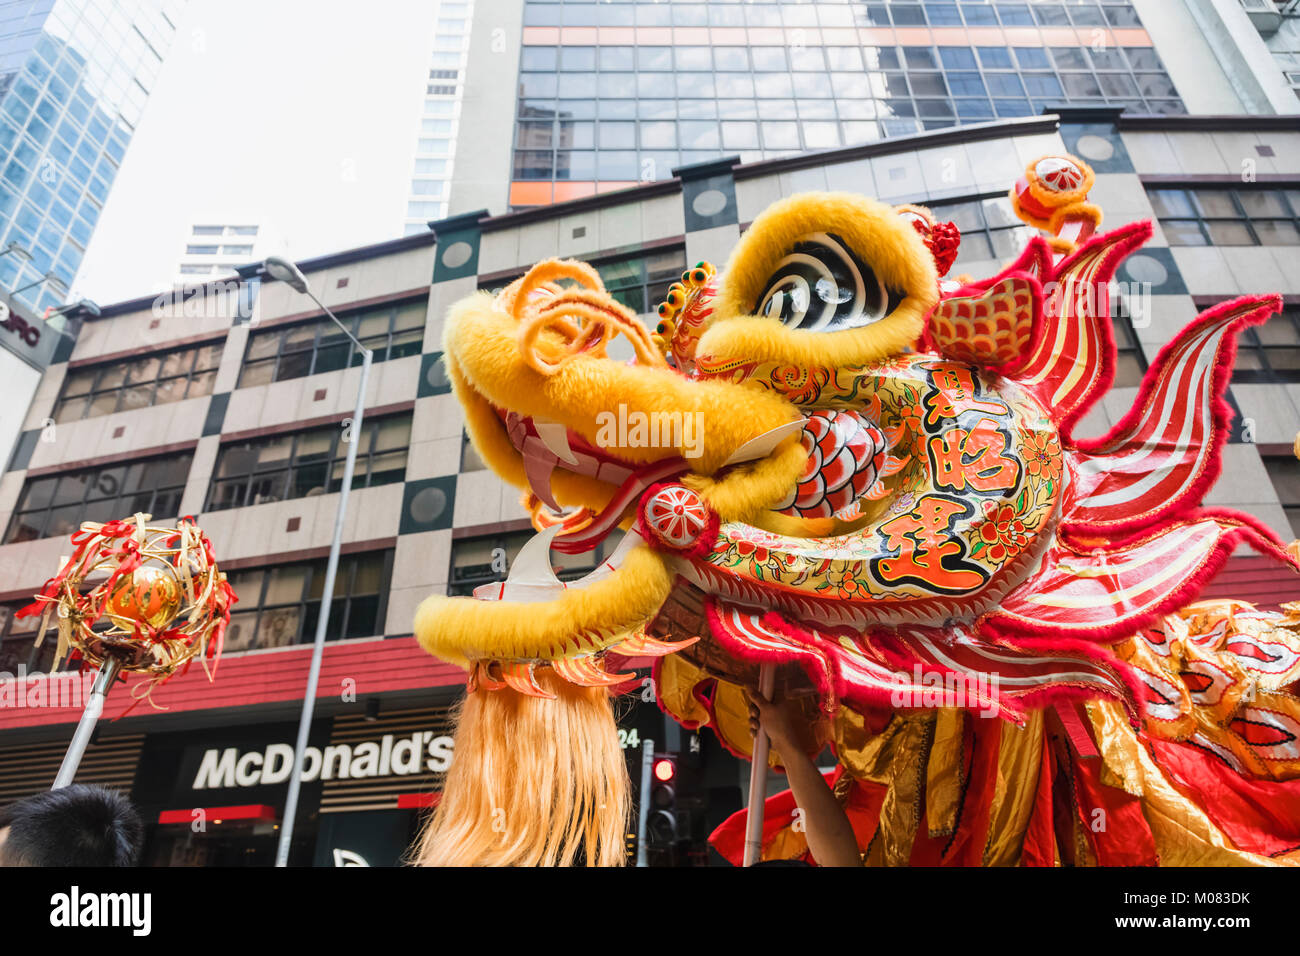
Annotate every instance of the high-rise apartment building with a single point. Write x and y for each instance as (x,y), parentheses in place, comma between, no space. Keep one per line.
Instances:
(74,78)
(440,118)
(215,247)
(1278,22)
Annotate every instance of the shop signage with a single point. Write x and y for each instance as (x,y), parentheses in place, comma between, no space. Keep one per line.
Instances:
(26,336)
(18,326)
(417,753)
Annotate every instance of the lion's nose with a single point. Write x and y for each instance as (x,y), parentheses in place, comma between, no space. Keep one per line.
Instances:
(558,322)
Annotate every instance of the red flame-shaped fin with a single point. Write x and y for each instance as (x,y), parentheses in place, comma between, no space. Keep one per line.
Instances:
(1108,595)
(519,676)
(1073,361)
(587,672)
(1164,454)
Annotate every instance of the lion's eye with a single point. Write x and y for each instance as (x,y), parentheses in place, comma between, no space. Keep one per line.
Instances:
(822,286)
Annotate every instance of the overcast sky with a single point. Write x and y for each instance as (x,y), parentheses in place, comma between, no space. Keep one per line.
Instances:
(301,114)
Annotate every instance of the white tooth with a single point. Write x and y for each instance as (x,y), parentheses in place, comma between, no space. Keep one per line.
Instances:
(555,437)
(611,564)
(532,578)
(762,446)
(538,469)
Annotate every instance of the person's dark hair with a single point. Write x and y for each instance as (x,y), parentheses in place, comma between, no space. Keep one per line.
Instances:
(79,825)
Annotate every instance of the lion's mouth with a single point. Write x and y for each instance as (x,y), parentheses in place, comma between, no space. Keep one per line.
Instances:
(545,446)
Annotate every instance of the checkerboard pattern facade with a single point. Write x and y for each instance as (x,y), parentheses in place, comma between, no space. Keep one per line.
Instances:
(427,508)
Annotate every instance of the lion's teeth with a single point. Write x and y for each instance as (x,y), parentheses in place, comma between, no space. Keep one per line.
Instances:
(531,578)
(555,437)
(538,467)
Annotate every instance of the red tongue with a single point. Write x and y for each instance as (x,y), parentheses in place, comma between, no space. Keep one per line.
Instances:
(584,539)
(539,464)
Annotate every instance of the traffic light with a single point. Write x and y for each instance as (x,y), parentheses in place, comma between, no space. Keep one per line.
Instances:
(675,830)
(661,821)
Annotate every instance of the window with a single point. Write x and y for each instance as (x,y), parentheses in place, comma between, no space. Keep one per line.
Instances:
(243,230)
(1284,472)
(835,84)
(1130,364)
(193,250)
(639,282)
(280,605)
(1270,352)
(309,348)
(17,643)
(472,560)
(139,383)
(307,463)
(989,229)
(469,456)
(1228,215)
(52,506)
(207,230)
(236,250)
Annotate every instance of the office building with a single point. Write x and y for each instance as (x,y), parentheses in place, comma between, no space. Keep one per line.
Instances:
(216,247)
(74,79)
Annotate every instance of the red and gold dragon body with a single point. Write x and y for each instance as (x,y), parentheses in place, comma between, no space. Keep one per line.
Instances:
(830,460)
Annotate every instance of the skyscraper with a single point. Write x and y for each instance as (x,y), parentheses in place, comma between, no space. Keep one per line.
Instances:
(440,116)
(216,245)
(611,94)
(74,78)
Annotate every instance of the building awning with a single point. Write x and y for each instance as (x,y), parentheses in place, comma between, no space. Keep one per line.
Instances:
(412,801)
(251,812)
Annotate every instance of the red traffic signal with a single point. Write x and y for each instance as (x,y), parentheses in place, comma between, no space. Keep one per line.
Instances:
(664,769)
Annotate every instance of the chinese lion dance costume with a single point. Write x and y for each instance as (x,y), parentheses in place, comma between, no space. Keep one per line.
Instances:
(888,504)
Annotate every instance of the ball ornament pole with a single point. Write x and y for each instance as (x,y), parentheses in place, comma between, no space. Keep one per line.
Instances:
(133,598)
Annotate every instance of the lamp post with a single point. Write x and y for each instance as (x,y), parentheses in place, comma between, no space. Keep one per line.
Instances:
(288,273)
(55,283)
(71,315)
(14,248)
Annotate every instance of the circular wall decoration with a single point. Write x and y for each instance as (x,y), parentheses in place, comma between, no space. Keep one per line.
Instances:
(709,203)
(436,375)
(428,505)
(1144,268)
(1095,147)
(457,254)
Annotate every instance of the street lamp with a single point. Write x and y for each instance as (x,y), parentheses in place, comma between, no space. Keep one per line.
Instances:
(14,249)
(285,271)
(55,283)
(72,311)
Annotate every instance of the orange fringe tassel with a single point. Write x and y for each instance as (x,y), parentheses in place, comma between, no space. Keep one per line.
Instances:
(535,782)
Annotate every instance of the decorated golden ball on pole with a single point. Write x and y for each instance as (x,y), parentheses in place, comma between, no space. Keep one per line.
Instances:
(136,598)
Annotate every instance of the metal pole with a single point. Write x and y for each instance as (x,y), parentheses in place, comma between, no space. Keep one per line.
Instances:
(647,762)
(86,726)
(322,623)
(758,775)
